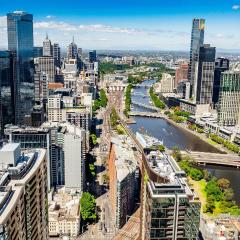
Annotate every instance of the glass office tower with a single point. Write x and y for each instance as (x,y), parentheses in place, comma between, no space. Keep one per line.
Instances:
(6,87)
(197,40)
(20,42)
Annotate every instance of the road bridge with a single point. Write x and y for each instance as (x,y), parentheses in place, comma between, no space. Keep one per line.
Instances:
(146,114)
(221,159)
(145,106)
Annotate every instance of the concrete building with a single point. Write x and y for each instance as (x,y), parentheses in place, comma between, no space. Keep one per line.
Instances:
(181,74)
(63,109)
(170,209)
(23,201)
(64,215)
(40,87)
(46,65)
(166,84)
(75,156)
(47,47)
(229,99)
(124,179)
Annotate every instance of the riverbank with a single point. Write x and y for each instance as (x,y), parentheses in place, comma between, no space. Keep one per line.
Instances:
(198,135)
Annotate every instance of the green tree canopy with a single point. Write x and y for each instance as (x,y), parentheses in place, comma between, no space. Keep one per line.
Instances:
(88,206)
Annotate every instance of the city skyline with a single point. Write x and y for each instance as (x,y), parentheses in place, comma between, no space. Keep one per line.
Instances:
(137,25)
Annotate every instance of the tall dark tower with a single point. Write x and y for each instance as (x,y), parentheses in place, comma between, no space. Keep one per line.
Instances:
(20,42)
(221,65)
(204,75)
(197,40)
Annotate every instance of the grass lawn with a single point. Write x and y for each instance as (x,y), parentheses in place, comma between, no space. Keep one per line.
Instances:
(199,187)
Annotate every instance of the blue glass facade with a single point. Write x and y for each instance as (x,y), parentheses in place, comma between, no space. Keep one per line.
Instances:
(6,84)
(20,42)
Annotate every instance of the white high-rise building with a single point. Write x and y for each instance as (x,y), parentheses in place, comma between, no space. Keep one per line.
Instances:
(167,83)
(74,151)
(47,47)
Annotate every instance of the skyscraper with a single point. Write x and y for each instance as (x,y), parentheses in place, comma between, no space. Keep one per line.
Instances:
(92,56)
(47,47)
(57,54)
(46,65)
(72,51)
(204,75)
(229,99)
(7,63)
(20,42)
(221,65)
(197,40)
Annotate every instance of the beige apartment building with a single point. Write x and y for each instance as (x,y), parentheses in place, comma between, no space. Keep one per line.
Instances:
(23,194)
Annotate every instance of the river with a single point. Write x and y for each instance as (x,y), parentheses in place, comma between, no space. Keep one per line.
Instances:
(172,135)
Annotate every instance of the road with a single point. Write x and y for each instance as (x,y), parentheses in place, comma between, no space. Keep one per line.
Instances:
(104,229)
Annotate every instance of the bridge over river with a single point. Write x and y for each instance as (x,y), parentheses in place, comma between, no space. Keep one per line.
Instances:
(204,158)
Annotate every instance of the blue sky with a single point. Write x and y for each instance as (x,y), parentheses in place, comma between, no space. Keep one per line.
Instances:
(129,24)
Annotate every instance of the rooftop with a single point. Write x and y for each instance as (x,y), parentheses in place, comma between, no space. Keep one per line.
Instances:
(174,179)
(126,161)
(64,206)
(10,147)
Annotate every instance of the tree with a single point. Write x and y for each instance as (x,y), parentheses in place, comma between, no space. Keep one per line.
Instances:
(223,183)
(161,148)
(196,174)
(114,117)
(88,206)
(207,175)
(212,189)
(94,138)
(103,98)
(176,153)
(228,194)
(210,205)
(106,178)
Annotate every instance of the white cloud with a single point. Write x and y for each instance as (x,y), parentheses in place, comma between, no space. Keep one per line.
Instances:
(235,7)
(49,16)
(63,26)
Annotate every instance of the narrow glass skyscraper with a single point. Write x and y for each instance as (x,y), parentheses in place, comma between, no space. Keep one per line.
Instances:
(20,42)
(197,40)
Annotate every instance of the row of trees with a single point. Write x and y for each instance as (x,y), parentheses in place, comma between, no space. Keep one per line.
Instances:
(128,100)
(114,118)
(194,127)
(225,143)
(101,101)
(177,115)
(156,100)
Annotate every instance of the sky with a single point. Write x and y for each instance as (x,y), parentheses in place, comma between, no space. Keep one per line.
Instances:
(128,24)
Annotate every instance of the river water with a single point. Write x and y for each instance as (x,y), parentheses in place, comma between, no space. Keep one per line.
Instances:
(172,135)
